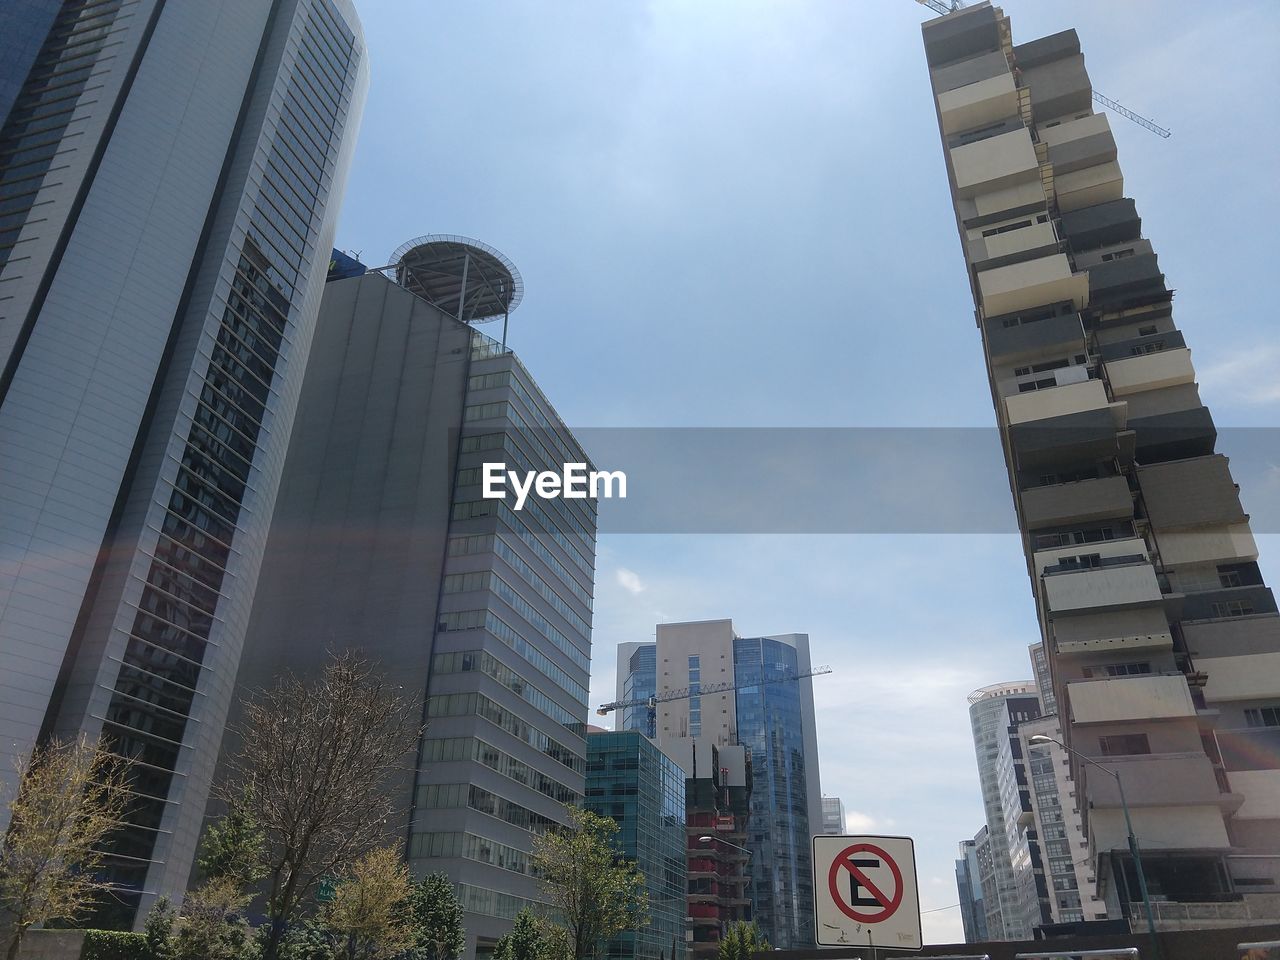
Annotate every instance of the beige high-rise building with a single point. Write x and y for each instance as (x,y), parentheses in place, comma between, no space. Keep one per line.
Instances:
(1162,642)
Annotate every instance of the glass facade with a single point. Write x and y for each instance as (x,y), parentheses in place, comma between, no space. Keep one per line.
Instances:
(640,684)
(640,787)
(771,725)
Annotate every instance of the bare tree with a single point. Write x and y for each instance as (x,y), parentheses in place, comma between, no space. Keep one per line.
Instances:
(314,759)
(70,796)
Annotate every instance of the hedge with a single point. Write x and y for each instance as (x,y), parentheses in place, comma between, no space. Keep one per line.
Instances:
(113,945)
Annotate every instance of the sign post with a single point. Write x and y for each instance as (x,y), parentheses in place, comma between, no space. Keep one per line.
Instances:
(865,893)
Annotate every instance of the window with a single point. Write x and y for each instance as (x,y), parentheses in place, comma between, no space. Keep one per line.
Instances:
(1007,228)
(1146,331)
(1117,255)
(1124,744)
(1232,608)
(1263,717)
(1155,346)
(1230,577)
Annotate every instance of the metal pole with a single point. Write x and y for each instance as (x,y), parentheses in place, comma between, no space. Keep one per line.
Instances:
(462,294)
(1137,864)
(505,315)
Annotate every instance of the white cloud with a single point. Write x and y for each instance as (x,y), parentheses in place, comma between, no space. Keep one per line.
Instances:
(857,822)
(1248,376)
(629,580)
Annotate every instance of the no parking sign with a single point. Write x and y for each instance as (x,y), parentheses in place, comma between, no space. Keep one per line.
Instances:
(865,892)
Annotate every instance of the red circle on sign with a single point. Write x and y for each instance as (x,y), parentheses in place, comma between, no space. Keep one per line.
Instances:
(888,905)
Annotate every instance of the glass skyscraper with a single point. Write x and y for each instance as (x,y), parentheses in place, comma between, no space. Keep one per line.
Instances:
(170,176)
(773,722)
(631,780)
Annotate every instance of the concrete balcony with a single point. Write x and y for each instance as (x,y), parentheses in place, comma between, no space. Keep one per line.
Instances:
(978,104)
(1176,435)
(1254,677)
(994,163)
(1207,544)
(1191,493)
(970,71)
(966,33)
(1001,249)
(1155,780)
(1074,438)
(1078,144)
(1084,500)
(1259,788)
(1198,827)
(1021,286)
(1089,187)
(1121,699)
(1232,638)
(1021,340)
(1106,549)
(1151,371)
(1126,278)
(1061,401)
(1128,584)
(1139,628)
(1140,346)
(1116,221)
(992,206)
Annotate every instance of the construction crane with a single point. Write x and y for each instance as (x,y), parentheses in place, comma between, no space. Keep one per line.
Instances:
(684,693)
(951,6)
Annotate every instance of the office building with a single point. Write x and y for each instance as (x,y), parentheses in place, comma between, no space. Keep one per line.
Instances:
(1162,640)
(773,722)
(969,886)
(1014,900)
(630,779)
(170,175)
(832,816)
(383,543)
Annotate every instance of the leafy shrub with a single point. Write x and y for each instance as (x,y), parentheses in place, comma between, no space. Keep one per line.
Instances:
(114,945)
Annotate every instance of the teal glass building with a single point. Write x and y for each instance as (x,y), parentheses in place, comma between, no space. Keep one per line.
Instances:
(631,780)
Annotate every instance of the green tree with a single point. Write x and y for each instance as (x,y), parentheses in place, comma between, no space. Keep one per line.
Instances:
(741,940)
(367,916)
(210,926)
(436,917)
(234,848)
(70,797)
(158,928)
(596,895)
(526,941)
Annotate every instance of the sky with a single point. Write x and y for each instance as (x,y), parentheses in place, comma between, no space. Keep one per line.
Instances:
(735,213)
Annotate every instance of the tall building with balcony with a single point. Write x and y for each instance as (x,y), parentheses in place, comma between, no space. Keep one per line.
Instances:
(770,724)
(170,175)
(1162,641)
(1016,898)
(832,816)
(630,779)
(383,543)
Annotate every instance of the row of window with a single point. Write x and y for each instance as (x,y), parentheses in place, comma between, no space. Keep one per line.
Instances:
(491,622)
(471,748)
(445,796)
(471,661)
(469,846)
(545,590)
(477,704)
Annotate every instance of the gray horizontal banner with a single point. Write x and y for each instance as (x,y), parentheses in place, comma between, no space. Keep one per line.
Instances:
(848,480)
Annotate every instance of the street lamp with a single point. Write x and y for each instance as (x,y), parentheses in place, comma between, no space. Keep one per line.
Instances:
(1133,841)
(708,839)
